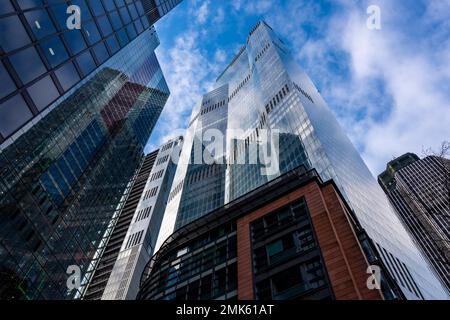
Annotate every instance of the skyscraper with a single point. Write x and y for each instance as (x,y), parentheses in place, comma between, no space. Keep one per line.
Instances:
(139,235)
(117,230)
(419,190)
(264,95)
(76,110)
(294,237)
(42,59)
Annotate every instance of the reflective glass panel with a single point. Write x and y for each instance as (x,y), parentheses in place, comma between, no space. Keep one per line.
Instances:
(13,113)
(43,92)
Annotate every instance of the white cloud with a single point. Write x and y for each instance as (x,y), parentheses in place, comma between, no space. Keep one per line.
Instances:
(220,16)
(420,111)
(184,68)
(258,7)
(189,73)
(395,98)
(220,55)
(202,12)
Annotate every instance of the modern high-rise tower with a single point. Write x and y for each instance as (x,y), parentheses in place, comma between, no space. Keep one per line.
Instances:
(77,107)
(264,95)
(419,190)
(117,230)
(131,243)
(41,59)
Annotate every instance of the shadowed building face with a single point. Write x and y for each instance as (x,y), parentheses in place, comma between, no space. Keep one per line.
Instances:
(77,107)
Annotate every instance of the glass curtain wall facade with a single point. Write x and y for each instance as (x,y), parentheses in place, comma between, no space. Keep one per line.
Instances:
(119,227)
(277,242)
(41,59)
(137,246)
(63,178)
(264,89)
(419,190)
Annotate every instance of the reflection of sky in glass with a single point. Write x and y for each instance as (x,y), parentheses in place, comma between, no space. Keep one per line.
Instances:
(310,135)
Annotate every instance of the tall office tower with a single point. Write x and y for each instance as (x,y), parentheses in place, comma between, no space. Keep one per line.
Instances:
(294,237)
(419,190)
(117,230)
(76,110)
(264,95)
(42,59)
(131,243)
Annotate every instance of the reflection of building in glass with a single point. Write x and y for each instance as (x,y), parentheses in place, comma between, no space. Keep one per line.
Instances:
(41,59)
(419,190)
(117,230)
(263,89)
(292,238)
(63,176)
(130,244)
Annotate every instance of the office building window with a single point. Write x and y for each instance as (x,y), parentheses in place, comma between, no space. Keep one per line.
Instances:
(67,75)
(101,53)
(86,63)
(43,92)
(54,51)
(75,41)
(12,34)
(40,23)
(13,114)
(27,64)
(8,85)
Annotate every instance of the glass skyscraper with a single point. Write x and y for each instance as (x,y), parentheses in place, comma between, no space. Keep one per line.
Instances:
(117,230)
(41,59)
(76,110)
(137,246)
(419,190)
(264,90)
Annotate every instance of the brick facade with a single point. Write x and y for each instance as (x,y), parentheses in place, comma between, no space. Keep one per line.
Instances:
(343,256)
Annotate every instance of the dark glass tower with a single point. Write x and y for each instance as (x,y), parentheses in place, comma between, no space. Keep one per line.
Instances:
(118,230)
(264,99)
(133,233)
(76,110)
(142,233)
(41,59)
(419,190)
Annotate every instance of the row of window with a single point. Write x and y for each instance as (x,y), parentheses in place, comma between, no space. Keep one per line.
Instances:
(143,214)
(134,239)
(205,172)
(162,160)
(157,175)
(52,49)
(239,87)
(213,107)
(284,248)
(51,19)
(279,238)
(175,191)
(150,193)
(259,55)
(278,98)
(204,269)
(254,28)
(401,271)
(242,147)
(64,172)
(303,92)
(294,283)
(167,146)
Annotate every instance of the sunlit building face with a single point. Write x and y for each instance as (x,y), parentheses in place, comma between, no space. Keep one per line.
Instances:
(264,89)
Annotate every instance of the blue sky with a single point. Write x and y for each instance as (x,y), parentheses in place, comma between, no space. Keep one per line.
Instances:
(389,88)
